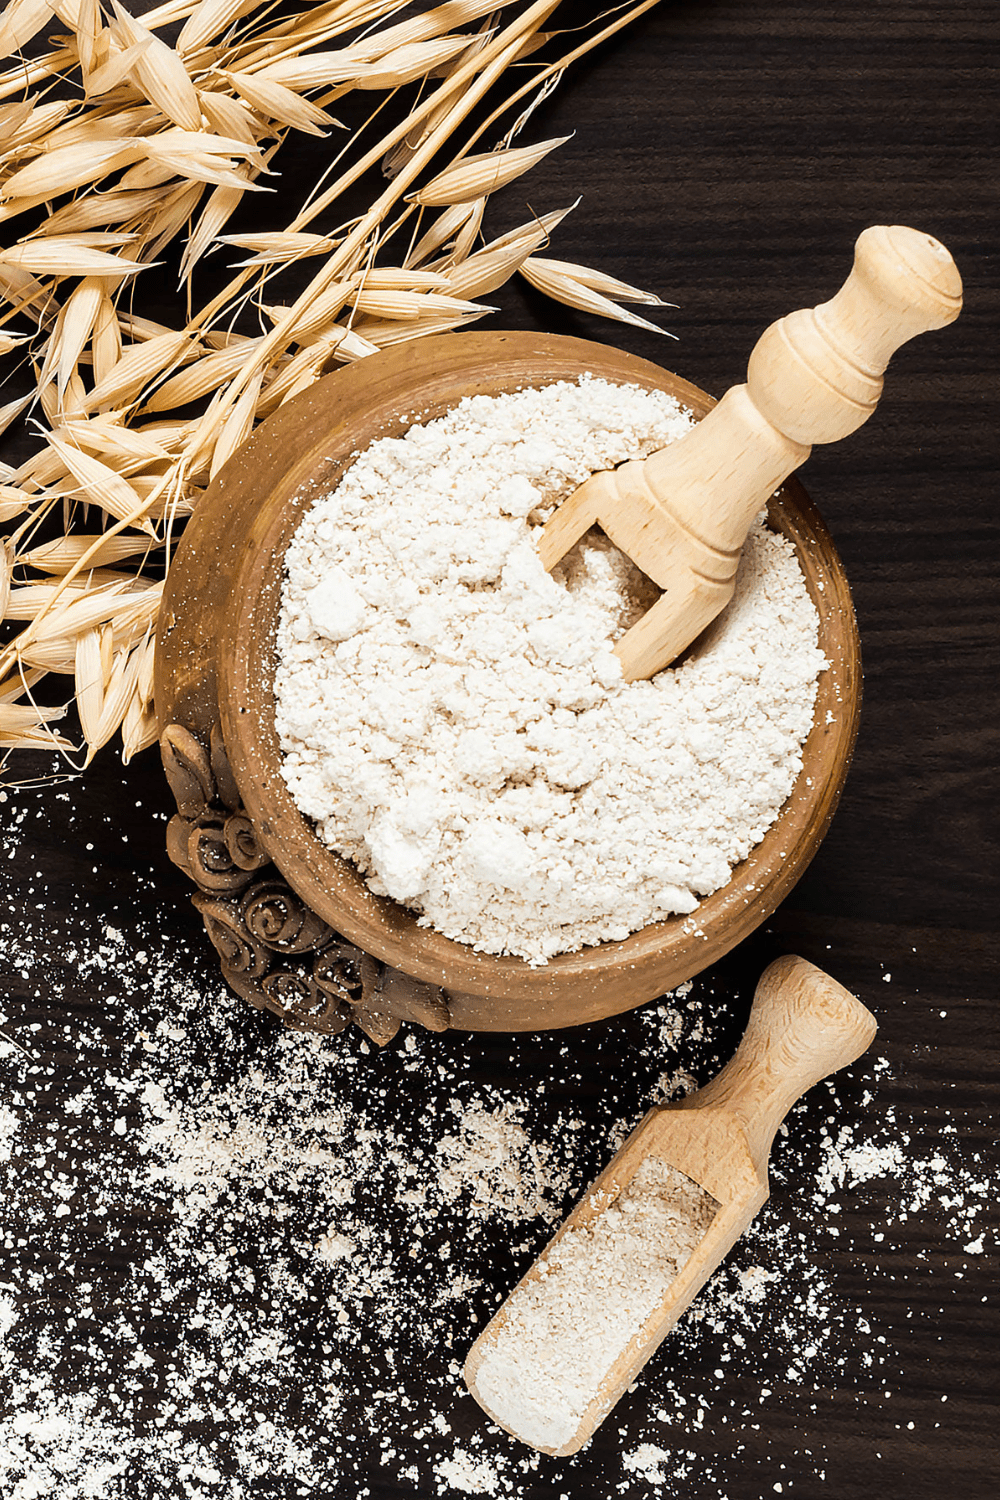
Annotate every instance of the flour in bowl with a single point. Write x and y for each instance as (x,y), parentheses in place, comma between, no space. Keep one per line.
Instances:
(454,719)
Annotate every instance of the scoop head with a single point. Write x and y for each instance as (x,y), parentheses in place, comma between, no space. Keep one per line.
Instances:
(638,1248)
(556,1402)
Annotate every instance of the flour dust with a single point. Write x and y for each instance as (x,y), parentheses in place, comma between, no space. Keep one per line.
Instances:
(235,1262)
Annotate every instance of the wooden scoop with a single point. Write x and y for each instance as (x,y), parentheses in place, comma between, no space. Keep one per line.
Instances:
(683,513)
(565,1345)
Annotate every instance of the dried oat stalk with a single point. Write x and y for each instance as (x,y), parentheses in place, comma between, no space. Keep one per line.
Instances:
(116,146)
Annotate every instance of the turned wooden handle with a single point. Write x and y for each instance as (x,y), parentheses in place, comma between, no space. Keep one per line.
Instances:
(813,377)
(803,1026)
(816,374)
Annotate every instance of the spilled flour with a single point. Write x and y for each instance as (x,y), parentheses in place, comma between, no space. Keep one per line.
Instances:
(454,720)
(241,1264)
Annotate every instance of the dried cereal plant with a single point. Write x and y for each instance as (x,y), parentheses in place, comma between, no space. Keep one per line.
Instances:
(115,145)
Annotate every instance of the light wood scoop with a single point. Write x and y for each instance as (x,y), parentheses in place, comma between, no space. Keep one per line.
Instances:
(683,513)
(803,1025)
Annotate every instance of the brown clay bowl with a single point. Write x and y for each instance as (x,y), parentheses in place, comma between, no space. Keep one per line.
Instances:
(217,647)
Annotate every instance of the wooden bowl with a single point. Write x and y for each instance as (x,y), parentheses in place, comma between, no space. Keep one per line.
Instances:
(216,661)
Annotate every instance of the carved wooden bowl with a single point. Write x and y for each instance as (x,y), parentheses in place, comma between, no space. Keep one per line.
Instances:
(296,927)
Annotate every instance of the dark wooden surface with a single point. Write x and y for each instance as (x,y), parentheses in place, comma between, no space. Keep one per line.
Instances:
(729,154)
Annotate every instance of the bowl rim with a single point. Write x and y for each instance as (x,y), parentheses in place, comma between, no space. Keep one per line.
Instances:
(301,451)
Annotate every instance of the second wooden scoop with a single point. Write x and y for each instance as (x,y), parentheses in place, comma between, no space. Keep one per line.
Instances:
(579,1326)
(683,513)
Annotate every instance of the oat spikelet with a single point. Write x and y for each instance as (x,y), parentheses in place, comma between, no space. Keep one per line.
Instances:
(315,70)
(70,167)
(170,219)
(229,116)
(490,267)
(89,685)
(63,255)
(25,726)
(444,228)
(276,102)
(384,334)
(599,281)
(550,278)
(322,311)
(404,64)
(106,339)
(16,686)
(111,207)
(208,20)
(400,278)
(106,680)
(98,483)
(159,72)
(410,305)
(23,123)
(139,725)
(103,434)
(118,691)
(278,247)
(138,367)
(73,328)
(115,70)
(477,176)
(469,232)
(237,426)
(88,29)
(217,212)
(66,551)
(204,375)
(199,157)
(9,413)
(22,20)
(13,502)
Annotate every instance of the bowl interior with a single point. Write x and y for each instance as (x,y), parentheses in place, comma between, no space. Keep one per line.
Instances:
(263,494)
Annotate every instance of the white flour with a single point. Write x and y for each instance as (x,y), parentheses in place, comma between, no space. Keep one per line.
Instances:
(454,719)
(562,1330)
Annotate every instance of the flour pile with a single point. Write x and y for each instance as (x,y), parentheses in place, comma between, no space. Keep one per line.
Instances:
(454,720)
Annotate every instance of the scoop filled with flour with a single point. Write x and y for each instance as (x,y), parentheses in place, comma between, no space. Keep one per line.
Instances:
(454,719)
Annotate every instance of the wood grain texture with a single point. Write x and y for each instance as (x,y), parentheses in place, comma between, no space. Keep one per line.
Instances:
(731,151)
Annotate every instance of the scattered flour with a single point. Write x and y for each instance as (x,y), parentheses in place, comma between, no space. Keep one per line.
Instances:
(468,1475)
(649,1461)
(492,1164)
(453,718)
(8,1127)
(562,1330)
(266,1285)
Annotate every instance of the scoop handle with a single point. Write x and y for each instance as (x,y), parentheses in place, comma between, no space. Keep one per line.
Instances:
(813,377)
(816,374)
(803,1025)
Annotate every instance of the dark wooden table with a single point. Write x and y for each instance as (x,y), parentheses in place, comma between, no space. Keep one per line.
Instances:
(729,155)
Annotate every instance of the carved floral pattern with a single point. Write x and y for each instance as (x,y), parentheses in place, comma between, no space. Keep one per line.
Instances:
(274,950)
